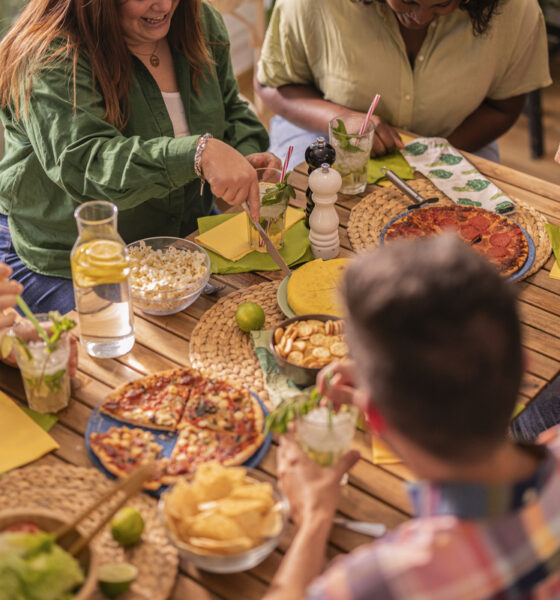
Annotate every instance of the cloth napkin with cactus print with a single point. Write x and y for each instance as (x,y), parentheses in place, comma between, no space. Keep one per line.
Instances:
(454,175)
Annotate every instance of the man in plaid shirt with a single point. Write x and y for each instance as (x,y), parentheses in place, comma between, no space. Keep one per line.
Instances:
(437,366)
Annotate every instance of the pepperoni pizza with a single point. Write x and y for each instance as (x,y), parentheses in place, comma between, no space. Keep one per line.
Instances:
(497,238)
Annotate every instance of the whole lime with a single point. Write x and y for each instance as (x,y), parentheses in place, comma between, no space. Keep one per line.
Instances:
(249,316)
(127,526)
(116,578)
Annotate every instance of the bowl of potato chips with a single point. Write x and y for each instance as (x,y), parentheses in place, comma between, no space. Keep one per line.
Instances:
(303,345)
(224,519)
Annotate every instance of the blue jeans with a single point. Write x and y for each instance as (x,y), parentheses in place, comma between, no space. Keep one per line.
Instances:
(284,134)
(41,292)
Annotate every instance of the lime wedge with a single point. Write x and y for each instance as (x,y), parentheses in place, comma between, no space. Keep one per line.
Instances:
(116,578)
(6,346)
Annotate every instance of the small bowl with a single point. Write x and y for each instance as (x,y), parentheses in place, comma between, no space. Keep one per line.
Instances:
(168,299)
(47,521)
(300,375)
(230,563)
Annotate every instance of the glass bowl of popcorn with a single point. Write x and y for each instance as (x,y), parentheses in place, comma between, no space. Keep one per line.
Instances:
(167,274)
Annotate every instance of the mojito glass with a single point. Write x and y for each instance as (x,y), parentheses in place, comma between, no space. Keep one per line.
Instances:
(352,151)
(274,202)
(326,435)
(45,374)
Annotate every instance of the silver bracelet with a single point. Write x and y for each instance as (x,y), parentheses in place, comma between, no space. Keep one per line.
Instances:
(202,141)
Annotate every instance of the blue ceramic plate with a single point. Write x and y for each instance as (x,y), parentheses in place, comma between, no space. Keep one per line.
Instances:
(526,265)
(100,422)
(282,298)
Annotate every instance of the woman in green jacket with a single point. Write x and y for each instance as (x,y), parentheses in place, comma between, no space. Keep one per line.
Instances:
(134,102)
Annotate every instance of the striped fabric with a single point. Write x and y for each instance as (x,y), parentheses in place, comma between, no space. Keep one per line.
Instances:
(467,542)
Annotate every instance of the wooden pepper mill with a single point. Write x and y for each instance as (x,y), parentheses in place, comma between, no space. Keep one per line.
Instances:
(324,183)
(318,153)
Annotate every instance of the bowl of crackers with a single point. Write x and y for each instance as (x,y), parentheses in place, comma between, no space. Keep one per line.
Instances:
(167,274)
(224,519)
(303,345)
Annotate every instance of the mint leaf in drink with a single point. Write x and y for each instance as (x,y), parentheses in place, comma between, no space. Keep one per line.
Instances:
(345,139)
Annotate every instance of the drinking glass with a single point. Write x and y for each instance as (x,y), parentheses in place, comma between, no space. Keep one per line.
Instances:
(352,151)
(274,203)
(326,435)
(45,374)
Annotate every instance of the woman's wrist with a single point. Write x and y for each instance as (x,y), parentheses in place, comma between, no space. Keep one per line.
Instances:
(200,146)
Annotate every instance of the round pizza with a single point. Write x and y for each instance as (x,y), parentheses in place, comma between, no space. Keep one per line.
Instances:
(215,420)
(497,238)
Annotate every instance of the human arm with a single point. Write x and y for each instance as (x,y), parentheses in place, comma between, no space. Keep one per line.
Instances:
(339,383)
(305,106)
(314,494)
(488,122)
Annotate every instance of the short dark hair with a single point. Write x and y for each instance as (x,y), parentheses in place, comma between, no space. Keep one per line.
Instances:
(479,11)
(435,333)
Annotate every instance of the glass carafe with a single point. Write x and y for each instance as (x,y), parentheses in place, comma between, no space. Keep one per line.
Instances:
(100,272)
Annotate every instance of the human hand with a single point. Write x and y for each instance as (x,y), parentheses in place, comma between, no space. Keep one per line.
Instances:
(27,332)
(264,160)
(557,156)
(313,491)
(9,289)
(230,176)
(337,382)
(386,138)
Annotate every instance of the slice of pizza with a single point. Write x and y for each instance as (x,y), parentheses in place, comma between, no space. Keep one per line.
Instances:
(122,449)
(195,446)
(155,401)
(218,405)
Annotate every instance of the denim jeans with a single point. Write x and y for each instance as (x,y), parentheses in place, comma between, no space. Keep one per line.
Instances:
(41,292)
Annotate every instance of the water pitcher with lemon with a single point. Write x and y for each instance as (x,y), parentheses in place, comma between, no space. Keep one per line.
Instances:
(100,271)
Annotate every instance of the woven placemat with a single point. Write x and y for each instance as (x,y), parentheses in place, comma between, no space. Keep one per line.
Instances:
(69,490)
(219,347)
(370,216)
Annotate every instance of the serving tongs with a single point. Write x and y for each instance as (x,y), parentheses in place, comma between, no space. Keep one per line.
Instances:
(406,189)
(129,485)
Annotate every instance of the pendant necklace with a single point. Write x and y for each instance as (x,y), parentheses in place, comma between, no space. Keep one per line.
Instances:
(154,58)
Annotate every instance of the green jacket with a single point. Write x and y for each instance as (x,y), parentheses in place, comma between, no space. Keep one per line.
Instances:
(57,158)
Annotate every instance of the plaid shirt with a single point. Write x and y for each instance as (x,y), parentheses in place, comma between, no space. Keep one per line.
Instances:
(467,542)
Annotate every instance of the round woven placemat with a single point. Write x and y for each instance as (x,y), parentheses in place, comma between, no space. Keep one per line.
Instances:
(370,216)
(220,348)
(69,490)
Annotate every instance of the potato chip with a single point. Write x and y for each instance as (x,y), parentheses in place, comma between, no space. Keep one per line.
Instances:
(271,524)
(261,491)
(278,335)
(240,544)
(215,525)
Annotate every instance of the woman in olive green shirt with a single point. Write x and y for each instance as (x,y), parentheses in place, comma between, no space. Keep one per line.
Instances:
(112,100)
(458,69)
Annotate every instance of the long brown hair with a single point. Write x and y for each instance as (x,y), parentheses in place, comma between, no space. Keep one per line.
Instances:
(91,27)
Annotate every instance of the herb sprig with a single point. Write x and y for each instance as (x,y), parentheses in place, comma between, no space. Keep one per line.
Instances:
(346,140)
(277,193)
(278,419)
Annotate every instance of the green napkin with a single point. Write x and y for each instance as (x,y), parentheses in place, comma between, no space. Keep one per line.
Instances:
(278,386)
(45,421)
(296,249)
(394,161)
(554,235)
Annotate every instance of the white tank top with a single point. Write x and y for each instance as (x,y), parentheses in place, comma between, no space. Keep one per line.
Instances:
(176,111)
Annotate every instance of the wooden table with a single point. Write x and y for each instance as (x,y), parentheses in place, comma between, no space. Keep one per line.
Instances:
(374,493)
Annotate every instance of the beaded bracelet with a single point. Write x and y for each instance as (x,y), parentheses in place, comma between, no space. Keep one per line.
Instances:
(202,141)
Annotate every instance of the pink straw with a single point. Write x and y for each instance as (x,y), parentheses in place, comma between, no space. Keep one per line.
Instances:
(369,113)
(286,162)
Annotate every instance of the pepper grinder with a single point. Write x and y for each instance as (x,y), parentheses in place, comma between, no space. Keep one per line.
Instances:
(318,153)
(324,183)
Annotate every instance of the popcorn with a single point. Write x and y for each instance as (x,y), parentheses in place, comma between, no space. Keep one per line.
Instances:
(163,275)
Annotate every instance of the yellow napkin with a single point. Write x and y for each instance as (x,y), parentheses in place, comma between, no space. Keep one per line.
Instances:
(555,271)
(21,439)
(231,238)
